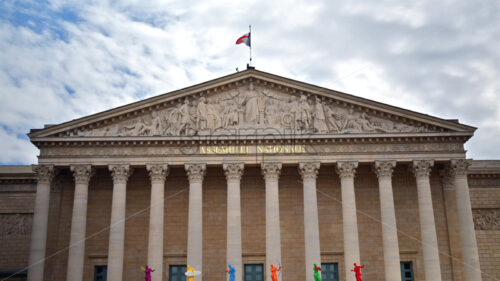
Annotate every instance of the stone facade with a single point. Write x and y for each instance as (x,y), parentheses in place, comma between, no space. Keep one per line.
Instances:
(309,175)
(253,222)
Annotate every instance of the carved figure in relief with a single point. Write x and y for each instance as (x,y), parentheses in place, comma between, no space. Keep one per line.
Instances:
(185,118)
(290,113)
(201,115)
(399,127)
(486,219)
(214,120)
(14,225)
(255,106)
(303,114)
(230,114)
(368,125)
(351,122)
(156,124)
(273,116)
(319,117)
(138,129)
(331,120)
(109,131)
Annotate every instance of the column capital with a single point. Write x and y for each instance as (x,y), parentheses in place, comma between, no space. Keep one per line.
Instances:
(447,178)
(120,173)
(157,172)
(384,168)
(346,169)
(233,171)
(422,168)
(271,170)
(44,173)
(459,167)
(196,172)
(82,173)
(309,170)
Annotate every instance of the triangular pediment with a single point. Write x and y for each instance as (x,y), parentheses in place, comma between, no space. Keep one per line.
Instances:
(251,103)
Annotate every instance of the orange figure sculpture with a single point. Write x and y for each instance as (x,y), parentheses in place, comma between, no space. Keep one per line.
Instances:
(357,270)
(274,272)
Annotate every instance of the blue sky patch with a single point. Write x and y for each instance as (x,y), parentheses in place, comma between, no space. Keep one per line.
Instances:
(69,90)
(39,17)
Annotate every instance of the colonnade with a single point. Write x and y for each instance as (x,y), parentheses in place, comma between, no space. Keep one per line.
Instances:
(271,173)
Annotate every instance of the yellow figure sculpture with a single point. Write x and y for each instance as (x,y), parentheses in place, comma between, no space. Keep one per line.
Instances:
(191,273)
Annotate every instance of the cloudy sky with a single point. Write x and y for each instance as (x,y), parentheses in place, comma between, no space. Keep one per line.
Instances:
(62,60)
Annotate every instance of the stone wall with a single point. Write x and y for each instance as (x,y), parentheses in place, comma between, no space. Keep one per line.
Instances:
(16,217)
(16,207)
(485,200)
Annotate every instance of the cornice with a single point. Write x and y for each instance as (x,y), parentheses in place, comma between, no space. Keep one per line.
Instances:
(252,139)
(18,181)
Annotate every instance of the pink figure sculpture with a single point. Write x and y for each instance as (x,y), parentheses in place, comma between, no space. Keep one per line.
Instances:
(357,270)
(147,272)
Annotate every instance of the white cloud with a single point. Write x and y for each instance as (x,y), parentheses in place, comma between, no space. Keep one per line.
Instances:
(404,54)
(390,11)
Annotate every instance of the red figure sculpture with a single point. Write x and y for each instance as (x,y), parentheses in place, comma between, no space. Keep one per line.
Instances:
(274,272)
(357,270)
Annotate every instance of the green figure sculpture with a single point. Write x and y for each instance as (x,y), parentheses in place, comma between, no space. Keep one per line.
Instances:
(317,273)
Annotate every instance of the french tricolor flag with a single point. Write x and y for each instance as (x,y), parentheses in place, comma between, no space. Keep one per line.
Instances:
(244,39)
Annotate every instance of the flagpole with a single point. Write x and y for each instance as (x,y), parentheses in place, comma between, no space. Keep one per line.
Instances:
(250,33)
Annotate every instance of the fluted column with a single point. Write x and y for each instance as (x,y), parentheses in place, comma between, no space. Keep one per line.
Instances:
(384,169)
(76,256)
(157,174)
(120,174)
(470,252)
(233,172)
(271,172)
(309,172)
(44,174)
(422,170)
(347,171)
(195,173)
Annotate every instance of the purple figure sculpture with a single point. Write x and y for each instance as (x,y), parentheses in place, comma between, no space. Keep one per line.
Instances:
(147,272)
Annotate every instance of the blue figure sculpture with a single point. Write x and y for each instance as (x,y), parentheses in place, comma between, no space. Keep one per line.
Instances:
(231,271)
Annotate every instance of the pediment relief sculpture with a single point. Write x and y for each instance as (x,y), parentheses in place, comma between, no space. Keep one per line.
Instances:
(251,110)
